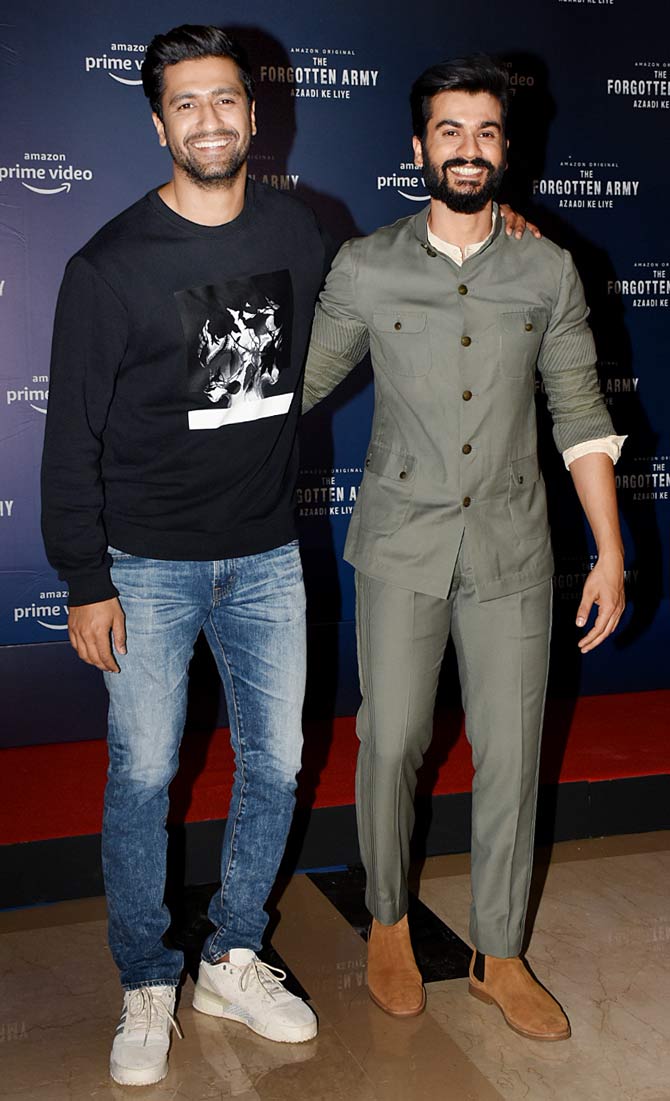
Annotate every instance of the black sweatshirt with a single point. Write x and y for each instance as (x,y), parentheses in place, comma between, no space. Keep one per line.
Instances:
(175,388)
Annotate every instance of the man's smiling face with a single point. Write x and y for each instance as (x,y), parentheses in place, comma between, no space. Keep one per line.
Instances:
(463,151)
(207,121)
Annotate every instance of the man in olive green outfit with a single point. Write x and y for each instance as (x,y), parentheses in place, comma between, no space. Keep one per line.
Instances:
(450,534)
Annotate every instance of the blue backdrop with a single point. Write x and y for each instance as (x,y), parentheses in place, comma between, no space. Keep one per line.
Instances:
(589,162)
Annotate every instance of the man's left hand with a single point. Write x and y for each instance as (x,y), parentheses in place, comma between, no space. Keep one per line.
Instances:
(604,587)
(516,223)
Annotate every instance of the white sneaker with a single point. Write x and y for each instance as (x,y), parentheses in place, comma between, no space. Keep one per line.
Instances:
(140,1049)
(250,991)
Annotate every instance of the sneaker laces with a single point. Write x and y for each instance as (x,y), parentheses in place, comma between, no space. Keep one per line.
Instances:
(147,1010)
(269,978)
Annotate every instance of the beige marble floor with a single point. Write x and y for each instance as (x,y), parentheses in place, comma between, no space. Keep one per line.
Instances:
(600,940)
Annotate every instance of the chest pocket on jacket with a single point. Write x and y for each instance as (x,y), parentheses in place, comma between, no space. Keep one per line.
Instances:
(400,341)
(521,333)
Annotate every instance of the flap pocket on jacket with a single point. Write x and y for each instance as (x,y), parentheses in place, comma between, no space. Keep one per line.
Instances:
(527,500)
(400,342)
(521,333)
(390,464)
(532,319)
(523,472)
(386,490)
(398,321)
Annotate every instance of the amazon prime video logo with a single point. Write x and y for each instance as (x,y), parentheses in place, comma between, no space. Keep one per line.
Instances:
(36,395)
(33,607)
(51,178)
(124,69)
(407,181)
(49,613)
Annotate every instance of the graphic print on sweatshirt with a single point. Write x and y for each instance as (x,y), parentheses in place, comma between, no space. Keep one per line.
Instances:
(238,336)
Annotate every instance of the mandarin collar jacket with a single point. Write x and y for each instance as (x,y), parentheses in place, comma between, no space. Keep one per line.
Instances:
(454,353)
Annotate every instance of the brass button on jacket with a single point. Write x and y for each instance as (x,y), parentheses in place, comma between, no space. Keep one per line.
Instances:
(466,341)
(467,501)
(398,325)
(402,474)
(462,289)
(467,394)
(466,449)
(528,326)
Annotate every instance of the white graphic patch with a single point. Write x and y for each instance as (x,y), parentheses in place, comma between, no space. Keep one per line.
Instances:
(237,336)
(237,414)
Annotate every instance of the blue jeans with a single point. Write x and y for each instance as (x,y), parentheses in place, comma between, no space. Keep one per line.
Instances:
(252,611)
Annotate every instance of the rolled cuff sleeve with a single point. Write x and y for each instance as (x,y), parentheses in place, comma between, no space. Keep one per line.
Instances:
(567,363)
(608,445)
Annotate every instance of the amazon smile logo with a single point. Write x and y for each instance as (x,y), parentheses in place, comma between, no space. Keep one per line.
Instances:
(52,180)
(123,80)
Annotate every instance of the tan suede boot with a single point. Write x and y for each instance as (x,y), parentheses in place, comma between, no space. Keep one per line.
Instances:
(394,982)
(527,1007)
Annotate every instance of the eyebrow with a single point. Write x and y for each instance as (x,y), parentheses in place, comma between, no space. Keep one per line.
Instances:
(229,91)
(459,125)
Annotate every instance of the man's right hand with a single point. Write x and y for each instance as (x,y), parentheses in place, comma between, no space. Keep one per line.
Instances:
(92,627)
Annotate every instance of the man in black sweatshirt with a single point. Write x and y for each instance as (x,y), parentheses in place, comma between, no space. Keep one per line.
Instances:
(168,481)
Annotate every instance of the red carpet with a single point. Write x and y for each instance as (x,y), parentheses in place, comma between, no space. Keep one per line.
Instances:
(56,790)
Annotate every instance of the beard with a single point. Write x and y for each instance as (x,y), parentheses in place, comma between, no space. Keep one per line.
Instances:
(213,174)
(462,201)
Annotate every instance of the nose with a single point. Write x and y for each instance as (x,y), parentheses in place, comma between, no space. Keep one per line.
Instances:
(208,116)
(469,146)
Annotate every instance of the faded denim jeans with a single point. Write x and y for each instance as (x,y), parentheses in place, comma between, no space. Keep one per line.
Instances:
(252,611)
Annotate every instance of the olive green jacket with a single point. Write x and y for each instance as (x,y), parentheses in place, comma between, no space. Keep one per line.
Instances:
(454,444)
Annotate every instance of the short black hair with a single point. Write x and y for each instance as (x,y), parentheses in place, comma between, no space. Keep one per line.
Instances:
(187,43)
(478,73)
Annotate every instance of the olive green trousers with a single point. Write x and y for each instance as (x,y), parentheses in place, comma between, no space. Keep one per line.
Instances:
(502,648)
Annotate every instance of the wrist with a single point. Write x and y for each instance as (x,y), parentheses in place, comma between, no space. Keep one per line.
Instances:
(611,552)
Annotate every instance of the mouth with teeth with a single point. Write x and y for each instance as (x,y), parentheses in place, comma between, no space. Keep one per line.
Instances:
(211,158)
(467,171)
(464,185)
(213,143)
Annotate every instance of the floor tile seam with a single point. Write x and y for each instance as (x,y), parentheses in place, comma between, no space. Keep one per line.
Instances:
(642,841)
(8,932)
(334,913)
(456,1040)
(494,1095)
(607,856)
(37,915)
(340,920)
(560,853)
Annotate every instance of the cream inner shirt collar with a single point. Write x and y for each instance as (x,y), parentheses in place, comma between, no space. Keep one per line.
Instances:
(453,251)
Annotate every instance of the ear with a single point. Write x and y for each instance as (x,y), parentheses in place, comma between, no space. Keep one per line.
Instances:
(418,152)
(160,129)
(252,118)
